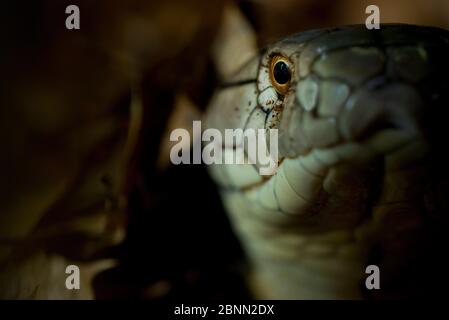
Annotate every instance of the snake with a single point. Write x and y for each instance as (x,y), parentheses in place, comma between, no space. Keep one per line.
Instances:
(361,177)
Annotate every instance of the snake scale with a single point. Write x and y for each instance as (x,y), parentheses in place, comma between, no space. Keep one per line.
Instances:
(360,178)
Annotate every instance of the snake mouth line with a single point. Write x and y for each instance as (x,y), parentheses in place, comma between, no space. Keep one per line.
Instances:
(395,147)
(346,173)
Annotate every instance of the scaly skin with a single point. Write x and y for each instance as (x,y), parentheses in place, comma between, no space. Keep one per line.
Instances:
(360,177)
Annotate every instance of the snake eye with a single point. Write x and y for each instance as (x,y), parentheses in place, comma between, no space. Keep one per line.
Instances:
(280,74)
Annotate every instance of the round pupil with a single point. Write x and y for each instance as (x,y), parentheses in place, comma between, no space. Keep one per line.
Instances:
(281,72)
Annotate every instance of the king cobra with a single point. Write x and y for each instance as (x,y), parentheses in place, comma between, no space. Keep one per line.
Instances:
(361,177)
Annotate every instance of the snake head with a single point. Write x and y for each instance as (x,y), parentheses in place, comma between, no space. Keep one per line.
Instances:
(359,115)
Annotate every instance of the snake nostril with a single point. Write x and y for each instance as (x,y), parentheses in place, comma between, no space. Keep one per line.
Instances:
(394,106)
(376,126)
